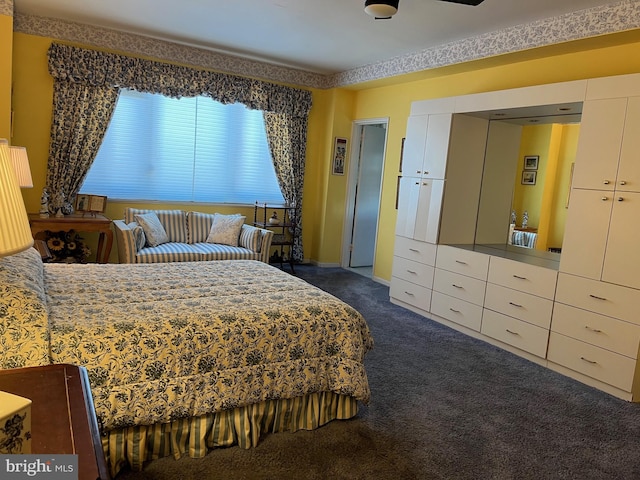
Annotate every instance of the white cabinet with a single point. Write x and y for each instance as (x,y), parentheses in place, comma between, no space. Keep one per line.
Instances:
(599,144)
(459,285)
(518,304)
(595,331)
(426,145)
(605,198)
(419,204)
(412,273)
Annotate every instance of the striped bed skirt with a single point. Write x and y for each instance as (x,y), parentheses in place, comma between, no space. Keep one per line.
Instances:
(242,426)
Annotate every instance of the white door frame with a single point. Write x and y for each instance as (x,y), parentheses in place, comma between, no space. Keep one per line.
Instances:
(354,155)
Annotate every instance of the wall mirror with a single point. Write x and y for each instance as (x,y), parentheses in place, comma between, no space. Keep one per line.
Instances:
(528,164)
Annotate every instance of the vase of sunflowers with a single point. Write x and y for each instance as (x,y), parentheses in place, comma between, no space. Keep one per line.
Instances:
(67,247)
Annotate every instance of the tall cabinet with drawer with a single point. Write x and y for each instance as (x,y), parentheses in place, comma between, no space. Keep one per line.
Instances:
(581,321)
(595,329)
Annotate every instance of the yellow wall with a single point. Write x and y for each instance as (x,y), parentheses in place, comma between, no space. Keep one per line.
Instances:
(332,114)
(6,41)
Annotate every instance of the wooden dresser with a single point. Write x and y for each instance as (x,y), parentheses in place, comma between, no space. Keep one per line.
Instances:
(63,420)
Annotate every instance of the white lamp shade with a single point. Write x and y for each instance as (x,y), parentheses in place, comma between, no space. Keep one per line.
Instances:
(20,162)
(15,233)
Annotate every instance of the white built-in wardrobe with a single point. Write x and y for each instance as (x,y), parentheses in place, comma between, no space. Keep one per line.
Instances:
(577,312)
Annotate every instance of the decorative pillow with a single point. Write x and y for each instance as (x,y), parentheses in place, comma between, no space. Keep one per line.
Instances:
(153,229)
(139,238)
(225,229)
(250,238)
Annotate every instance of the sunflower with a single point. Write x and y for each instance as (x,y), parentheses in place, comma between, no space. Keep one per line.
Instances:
(55,244)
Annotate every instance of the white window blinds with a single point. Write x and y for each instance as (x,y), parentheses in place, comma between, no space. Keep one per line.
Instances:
(188,149)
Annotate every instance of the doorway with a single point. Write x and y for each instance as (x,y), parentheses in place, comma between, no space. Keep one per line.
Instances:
(363,197)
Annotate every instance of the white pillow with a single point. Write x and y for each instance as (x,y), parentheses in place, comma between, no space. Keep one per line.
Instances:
(139,237)
(153,229)
(225,229)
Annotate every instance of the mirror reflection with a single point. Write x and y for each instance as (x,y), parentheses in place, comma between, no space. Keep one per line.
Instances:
(526,178)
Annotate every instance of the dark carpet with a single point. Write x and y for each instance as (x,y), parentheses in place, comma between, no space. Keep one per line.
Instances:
(443,406)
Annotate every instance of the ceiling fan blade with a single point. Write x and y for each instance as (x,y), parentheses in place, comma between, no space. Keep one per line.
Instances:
(474,3)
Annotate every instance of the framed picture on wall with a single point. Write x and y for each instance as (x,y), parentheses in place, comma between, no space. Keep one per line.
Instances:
(528,178)
(531,162)
(339,155)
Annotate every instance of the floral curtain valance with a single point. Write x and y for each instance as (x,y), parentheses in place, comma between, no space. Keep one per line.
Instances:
(95,68)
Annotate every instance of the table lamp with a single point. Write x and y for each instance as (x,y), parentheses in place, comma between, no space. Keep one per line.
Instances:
(20,162)
(15,236)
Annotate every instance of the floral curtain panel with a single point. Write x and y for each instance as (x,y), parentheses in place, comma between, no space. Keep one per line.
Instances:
(73,150)
(287,143)
(81,117)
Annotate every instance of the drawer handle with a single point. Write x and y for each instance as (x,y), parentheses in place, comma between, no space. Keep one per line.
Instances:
(606,182)
(411,272)
(588,361)
(596,297)
(594,330)
(621,199)
(515,304)
(512,332)
(456,286)
(409,293)
(461,262)
(604,199)
(622,182)
(415,250)
(454,310)
(519,277)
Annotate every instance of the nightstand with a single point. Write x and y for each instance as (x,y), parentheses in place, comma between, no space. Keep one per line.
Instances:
(63,420)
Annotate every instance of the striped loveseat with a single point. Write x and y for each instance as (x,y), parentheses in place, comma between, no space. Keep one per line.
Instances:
(187,232)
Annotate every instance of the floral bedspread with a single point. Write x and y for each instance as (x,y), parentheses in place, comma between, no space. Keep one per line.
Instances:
(174,340)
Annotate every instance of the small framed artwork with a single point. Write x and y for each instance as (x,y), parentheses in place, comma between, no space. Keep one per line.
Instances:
(531,162)
(528,178)
(339,155)
(90,203)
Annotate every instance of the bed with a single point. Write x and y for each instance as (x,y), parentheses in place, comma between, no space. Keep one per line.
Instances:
(186,357)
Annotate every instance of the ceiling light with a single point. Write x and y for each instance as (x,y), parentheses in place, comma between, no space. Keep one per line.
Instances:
(381,9)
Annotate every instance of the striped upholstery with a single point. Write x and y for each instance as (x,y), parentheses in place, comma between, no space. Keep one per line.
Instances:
(254,243)
(173,221)
(524,239)
(250,238)
(217,251)
(169,252)
(242,426)
(199,226)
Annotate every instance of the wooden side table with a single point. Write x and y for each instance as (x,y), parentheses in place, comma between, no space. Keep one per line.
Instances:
(80,223)
(63,420)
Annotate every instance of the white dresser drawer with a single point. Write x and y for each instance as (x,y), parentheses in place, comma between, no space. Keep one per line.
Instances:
(522,335)
(531,309)
(414,250)
(459,286)
(413,271)
(603,365)
(410,293)
(605,332)
(600,297)
(521,276)
(466,262)
(456,310)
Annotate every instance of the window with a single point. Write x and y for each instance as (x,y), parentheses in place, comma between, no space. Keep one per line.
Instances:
(185,150)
